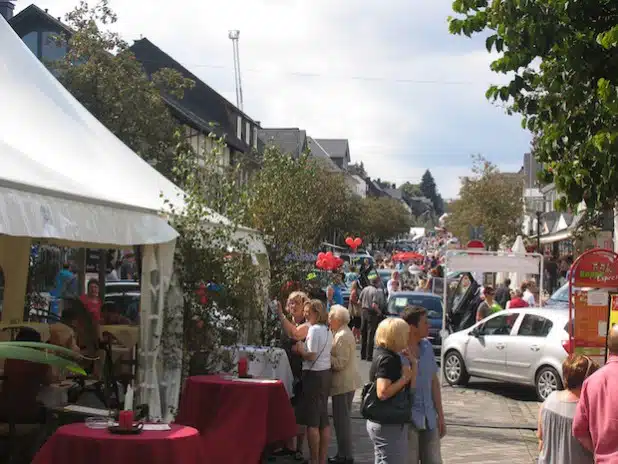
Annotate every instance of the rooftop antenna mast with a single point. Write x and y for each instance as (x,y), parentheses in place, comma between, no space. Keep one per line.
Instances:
(234,35)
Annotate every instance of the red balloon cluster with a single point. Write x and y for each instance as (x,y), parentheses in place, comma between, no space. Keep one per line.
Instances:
(354,243)
(328,261)
(201,293)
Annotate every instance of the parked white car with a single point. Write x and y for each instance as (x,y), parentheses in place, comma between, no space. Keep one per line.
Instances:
(524,346)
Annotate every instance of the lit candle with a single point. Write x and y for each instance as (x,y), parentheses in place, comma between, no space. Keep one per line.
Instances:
(243,367)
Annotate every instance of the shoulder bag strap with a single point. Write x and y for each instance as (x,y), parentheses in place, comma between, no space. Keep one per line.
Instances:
(321,351)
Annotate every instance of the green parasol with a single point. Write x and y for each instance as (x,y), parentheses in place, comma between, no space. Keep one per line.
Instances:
(34,352)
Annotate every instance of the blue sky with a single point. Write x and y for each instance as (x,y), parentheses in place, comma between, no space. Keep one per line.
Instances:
(385,75)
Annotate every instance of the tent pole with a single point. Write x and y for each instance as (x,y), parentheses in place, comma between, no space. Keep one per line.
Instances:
(102,273)
(444,311)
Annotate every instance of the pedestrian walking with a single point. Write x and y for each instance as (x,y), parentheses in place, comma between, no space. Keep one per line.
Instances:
(390,378)
(371,303)
(594,424)
(295,329)
(557,445)
(313,407)
(503,293)
(354,307)
(345,381)
(428,426)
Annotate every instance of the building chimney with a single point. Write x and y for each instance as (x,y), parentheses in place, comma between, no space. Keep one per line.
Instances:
(6,9)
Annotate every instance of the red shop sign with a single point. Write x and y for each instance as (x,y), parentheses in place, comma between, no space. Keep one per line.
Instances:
(475,244)
(595,268)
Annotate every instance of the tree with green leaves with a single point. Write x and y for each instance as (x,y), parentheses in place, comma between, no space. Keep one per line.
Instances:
(297,204)
(429,190)
(113,86)
(491,200)
(222,299)
(562,59)
(411,190)
(383,219)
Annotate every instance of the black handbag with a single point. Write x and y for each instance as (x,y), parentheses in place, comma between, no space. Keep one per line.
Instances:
(395,410)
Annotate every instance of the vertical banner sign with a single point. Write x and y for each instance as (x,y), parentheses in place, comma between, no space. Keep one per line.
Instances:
(593,276)
(591,323)
(613,315)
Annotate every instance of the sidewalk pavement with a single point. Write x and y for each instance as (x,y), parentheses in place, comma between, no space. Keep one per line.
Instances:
(487,423)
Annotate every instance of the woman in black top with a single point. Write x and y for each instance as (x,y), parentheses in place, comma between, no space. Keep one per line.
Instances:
(295,329)
(390,441)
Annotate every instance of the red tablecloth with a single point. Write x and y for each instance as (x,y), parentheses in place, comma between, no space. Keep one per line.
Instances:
(77,444)
(236,419)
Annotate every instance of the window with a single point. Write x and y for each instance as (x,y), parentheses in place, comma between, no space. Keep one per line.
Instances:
(248,133)
(255,137)
(499,325)
(433,305)
(32,42)
(562,294)
(239,128)
(51,49)
(534,326)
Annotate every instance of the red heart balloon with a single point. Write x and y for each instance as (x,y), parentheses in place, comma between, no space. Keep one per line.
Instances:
(358,242)
(349,241)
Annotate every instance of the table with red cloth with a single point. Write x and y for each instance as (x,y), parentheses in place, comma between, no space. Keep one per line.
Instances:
(77,444)
(237,418)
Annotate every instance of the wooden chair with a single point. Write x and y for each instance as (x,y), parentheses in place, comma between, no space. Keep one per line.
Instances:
(20,439)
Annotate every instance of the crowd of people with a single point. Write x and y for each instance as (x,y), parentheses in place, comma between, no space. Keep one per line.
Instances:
(322,351)
(504,297)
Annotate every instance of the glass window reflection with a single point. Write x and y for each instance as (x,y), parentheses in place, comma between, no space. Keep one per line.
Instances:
(51,49)
(32,42)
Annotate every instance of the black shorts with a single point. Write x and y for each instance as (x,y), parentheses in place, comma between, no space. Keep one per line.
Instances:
(312,410)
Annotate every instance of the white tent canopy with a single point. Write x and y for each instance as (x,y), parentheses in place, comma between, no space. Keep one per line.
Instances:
(66,179)
(97,190)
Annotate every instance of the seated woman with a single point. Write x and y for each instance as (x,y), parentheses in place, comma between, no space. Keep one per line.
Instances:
(22,383)
(112,315)
(64,336)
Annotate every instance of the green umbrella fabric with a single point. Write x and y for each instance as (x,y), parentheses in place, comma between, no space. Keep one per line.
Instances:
(59,350)
(13,350)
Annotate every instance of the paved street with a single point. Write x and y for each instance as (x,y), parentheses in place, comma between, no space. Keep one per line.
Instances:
(487,423)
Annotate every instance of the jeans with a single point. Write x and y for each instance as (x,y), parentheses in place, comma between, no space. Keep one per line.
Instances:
(424,446)
(390,442)
(369,323)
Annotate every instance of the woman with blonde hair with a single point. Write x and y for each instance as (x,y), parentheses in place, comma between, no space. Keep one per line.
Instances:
(295,330)
(557,445)
(391,376)
(313,407)
(345,381)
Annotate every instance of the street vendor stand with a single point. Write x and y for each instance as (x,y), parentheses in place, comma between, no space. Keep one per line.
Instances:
(481,261)
(593,302)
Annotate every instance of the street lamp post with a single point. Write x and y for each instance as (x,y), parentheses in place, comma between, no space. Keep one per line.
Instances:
(537,204)
(538,230)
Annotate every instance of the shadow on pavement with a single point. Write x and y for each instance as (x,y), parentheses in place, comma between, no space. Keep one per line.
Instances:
(508,390)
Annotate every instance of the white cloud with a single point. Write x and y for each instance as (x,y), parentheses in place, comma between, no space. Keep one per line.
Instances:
(386,120)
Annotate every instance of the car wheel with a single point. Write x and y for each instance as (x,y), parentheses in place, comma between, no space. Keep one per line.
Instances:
(547,381)
(455,371)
